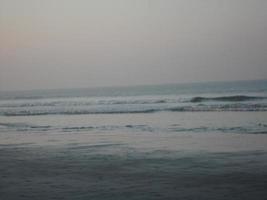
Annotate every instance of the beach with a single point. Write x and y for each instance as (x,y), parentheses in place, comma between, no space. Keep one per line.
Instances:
(194,141)
(140,164)
(133,100)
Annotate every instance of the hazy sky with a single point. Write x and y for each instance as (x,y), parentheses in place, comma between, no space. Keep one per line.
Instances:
(85,43)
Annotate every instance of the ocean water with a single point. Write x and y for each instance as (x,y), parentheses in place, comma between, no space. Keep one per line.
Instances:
(178,141)
(21,111)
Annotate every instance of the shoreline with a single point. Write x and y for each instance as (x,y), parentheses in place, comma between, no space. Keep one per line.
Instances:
(114,171)
(145,141)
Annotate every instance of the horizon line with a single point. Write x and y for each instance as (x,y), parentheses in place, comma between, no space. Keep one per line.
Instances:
(134,85)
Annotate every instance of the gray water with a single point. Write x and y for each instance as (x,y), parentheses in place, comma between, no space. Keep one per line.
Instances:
(19,110)
(186,141)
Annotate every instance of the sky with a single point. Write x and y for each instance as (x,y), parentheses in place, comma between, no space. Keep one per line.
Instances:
(88,43)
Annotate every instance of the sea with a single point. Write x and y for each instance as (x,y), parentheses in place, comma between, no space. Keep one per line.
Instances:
(20,111)
(174,141)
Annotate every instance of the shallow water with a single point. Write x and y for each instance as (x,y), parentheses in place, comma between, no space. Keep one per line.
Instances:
(85,172)
(191,141)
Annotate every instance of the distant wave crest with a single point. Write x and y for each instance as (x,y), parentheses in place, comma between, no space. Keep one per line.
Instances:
(226,98)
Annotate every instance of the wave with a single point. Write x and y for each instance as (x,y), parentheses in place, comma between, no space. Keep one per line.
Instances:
(37,128)
(226,98)
(144,100)
(89,102)
(138,109)
(237,129)
(82,112)
(251,129)
(220,108)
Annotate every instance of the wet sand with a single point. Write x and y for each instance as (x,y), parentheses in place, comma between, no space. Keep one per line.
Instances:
(136,166)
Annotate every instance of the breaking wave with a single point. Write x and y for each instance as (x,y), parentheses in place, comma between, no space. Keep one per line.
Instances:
(234,98)
(135,109)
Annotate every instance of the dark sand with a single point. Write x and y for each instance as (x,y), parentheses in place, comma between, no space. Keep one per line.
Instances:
(116,171)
